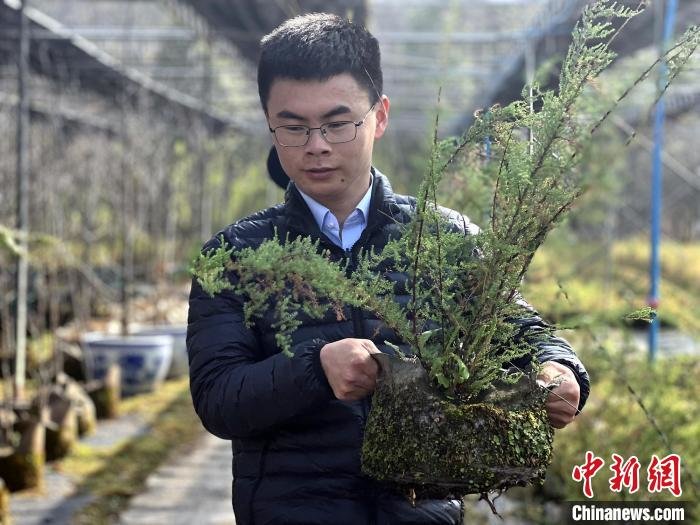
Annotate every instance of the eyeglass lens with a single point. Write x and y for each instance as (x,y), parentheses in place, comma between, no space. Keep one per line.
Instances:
(333,132)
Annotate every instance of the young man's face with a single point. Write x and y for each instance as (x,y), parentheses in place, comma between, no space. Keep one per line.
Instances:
(336,175)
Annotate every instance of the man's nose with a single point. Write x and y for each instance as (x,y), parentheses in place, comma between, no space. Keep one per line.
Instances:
(317,142)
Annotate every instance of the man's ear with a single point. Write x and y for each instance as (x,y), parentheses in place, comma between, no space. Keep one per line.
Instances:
(382,117)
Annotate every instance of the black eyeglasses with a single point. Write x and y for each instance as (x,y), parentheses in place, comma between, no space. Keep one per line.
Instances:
(337,132)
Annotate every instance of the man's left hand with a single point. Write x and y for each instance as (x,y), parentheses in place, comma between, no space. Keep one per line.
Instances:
(562,401)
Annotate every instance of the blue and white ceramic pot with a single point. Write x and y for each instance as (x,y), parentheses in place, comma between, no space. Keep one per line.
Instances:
(180,364)
(144,359)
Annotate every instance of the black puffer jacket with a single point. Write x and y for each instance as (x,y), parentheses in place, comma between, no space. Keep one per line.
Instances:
(296,448)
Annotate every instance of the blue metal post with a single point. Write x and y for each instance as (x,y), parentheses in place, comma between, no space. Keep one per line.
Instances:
(657,179)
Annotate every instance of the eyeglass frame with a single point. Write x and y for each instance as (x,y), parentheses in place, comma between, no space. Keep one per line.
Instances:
(320,128)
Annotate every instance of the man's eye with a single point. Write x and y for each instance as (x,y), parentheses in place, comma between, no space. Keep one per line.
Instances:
(295,129)
(337,126)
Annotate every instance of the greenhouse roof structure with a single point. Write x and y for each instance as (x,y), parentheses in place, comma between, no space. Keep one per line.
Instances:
(197,57)
(481,52)
(64,55)
(244,23)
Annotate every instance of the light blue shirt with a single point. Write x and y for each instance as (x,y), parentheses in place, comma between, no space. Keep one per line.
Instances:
(353,226)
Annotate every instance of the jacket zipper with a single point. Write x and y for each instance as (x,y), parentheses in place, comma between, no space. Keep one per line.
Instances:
(358,329)
(359,332)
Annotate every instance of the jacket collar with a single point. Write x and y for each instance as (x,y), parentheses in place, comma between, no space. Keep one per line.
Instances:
(382,209)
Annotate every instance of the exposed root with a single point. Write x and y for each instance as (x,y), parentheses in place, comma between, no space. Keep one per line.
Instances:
(485,496)
(500,493)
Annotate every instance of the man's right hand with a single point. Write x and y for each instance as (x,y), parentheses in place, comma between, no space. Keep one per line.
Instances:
(350,369)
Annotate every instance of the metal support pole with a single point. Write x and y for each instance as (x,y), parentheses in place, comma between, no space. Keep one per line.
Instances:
(530,59)
(205,195)
(124,210)
(127,189)
(657,180)
(22,201)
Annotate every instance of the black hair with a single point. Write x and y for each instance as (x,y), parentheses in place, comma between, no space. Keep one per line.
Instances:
(318,46)
(275,169)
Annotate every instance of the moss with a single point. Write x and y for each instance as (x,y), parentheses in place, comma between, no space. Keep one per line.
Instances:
(106,401)
(87,422)
(566,293)
(61,440)
(112,477)
(416,439)
(22,471)
(5,518)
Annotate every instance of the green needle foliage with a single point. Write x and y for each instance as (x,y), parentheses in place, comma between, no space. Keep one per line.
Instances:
(463,283)
(646,314)
(9,241)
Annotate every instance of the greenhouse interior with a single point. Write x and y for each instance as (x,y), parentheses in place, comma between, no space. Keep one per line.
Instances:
(133,136)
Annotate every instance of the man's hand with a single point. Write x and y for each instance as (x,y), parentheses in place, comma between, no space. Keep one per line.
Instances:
(349,367)
(563,399)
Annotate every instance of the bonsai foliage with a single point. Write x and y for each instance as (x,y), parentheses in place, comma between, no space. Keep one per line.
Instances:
(292,277)
(464,313)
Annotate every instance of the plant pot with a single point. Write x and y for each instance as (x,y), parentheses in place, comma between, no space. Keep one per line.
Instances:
(5,518)
(144,360)
(84,406)
(428,446)
(23,467)
(62,431)
(179,365)
(106,393)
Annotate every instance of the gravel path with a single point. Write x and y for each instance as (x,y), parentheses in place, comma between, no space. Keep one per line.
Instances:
(57,503)
(188,490)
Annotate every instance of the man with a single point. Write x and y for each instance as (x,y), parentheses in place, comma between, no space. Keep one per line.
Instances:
(297,423)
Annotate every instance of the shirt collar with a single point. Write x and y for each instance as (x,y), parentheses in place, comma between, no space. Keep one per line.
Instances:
(320,212)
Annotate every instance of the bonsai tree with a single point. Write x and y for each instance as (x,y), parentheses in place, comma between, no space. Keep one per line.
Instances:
(454,416)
